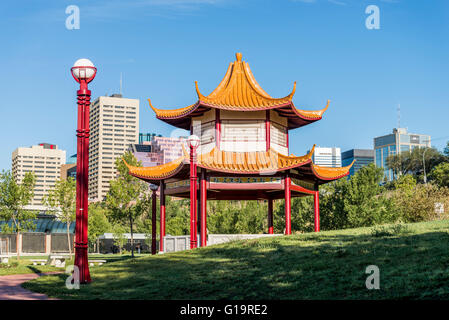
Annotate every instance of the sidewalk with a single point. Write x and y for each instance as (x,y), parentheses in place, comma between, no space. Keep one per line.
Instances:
(10,288)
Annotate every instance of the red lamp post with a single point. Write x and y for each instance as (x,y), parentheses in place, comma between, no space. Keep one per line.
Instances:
(194,142)
(83,71)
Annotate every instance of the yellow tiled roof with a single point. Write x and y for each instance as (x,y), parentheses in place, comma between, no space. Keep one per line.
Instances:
(250,162)
(329,173)
(239,163)
(239,91)
(156,172)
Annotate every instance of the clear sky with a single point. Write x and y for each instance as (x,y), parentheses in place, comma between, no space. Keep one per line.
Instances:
(162,47)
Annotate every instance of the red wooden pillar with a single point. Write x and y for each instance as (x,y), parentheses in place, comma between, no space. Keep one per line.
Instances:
(193,190)
(203,206)
(217,128)
(153,222)
(270,216)
(288,206)
(267,129)
(162,216)
(316,205)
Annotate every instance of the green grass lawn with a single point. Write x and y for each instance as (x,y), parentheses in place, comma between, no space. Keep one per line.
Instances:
(413,261)
(25,263)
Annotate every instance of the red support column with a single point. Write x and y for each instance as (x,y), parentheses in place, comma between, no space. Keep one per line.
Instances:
(153,222)
(162,216)
(288,207)
(316,205)
(267,129)
(203,190)
(270,216)
(217,128)
(193,190)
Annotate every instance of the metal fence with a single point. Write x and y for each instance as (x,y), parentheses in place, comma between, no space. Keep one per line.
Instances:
(33,242)
(59,242)
(180,243)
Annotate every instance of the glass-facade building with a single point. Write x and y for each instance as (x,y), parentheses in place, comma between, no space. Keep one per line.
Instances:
(362,157)
(399,141)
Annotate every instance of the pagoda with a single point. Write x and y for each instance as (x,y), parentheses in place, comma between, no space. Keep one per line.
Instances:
(239,150)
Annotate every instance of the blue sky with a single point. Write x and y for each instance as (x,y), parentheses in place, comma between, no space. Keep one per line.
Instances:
(162,47)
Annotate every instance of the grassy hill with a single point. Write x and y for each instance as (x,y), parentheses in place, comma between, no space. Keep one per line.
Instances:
(413,260)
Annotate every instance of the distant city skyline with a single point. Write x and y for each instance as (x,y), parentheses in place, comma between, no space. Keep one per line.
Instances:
(155,45)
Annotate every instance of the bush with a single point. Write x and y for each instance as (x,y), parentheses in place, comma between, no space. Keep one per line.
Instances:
(418,204)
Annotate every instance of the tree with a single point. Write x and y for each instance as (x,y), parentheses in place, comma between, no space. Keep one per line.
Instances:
(125,193)
(446,150)
(118,234)
(98,224)
(62,202)
(13,199)
(412,162)
(440,174)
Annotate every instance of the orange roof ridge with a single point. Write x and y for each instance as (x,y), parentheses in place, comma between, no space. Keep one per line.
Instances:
(162,113)
(250,161)
(331,173)
(239,90)
(156,172)
(312,114)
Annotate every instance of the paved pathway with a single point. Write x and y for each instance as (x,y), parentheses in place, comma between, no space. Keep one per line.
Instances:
(10,288)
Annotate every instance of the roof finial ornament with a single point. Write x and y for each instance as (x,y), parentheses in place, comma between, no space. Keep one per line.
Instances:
(238,56)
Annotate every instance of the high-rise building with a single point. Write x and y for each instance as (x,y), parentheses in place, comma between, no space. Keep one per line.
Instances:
(398,141)
(157,150)
(69,168)
(45,161)
(327,157)
(362,157)
(114,125)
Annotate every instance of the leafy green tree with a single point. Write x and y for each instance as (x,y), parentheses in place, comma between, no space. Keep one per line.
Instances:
(446,150)
(412,162)
(13,199)
(364,202)
(440,174)
(118,234)
(125,193)
(61,200)
(98,224)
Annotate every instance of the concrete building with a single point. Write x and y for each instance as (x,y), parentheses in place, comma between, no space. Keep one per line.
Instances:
(156,150)
(45,161)
(362,157)
(114,125)
(327,157)
(398,141)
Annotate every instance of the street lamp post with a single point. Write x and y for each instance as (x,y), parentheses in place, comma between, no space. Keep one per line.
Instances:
(194,142)
(424,162)
(424,165)
(83,71)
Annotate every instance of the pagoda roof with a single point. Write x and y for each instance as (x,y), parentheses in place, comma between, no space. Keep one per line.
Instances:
(258,162)
(239,91)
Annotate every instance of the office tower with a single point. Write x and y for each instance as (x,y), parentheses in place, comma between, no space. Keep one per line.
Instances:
(400,140)
(45,161)
(114,125)
(362,157)
(327,157)
(69,168)
(156,150)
